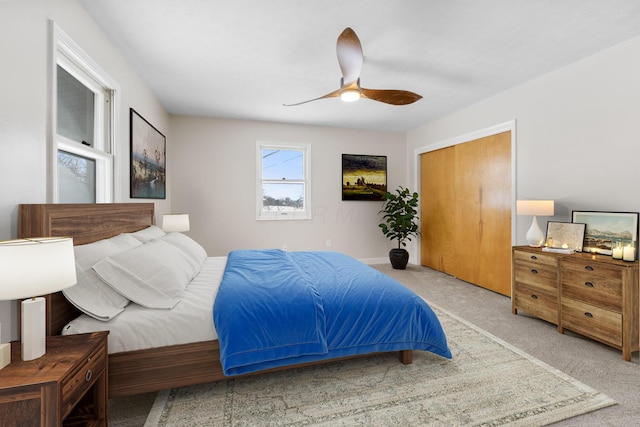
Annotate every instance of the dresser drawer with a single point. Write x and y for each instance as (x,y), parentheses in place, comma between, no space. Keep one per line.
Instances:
(535,259)
(82,378)
(537,275)
(597,290)
(593,269)
(586,319)
(538,301)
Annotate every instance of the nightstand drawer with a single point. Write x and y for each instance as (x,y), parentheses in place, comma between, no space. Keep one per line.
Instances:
(537,301)
(82,378)
(603,325)
(601,291)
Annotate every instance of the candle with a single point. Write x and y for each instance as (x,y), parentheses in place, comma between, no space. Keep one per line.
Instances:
(629,253)
(617,252)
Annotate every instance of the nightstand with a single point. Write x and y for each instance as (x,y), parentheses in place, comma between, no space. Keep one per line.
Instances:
(66,386)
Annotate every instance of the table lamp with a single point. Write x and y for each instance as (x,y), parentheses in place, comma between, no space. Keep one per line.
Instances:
(30,268)
(535,237)
(175,222)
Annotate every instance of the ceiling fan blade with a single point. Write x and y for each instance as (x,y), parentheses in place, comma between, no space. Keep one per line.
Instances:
(350,58)
(349,52)
(333,94)
(390,96)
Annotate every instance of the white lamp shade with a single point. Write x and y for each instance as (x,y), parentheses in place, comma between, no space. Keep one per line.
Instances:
(175,222)
(34,267)
(30,268)
(535,207)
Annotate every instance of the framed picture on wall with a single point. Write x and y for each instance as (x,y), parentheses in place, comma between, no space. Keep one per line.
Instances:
(148,159)
(364,177)
(606,229)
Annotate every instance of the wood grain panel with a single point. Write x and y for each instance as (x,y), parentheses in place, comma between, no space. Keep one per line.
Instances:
(466,211)
(86,223)
(437,217)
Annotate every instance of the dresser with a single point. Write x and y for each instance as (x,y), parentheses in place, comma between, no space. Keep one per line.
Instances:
(592,295)
(66,386)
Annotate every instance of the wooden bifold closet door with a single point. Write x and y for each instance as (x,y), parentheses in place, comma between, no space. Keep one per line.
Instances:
(465,193)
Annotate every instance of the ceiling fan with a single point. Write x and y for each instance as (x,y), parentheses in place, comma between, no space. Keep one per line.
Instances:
(350,58)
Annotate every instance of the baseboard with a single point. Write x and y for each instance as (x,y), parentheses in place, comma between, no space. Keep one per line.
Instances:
(373,261)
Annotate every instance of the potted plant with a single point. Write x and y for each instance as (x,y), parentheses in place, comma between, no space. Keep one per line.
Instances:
(400,223)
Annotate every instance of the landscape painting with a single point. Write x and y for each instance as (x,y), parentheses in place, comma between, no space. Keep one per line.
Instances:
(605,229)
(148,159)
(364,177)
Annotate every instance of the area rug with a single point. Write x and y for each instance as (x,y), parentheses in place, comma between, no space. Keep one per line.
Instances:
(488,383)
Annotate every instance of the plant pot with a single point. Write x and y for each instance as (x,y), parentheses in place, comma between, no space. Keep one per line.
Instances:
(399,258)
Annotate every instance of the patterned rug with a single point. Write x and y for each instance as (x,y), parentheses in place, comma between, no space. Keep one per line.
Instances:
(488,383)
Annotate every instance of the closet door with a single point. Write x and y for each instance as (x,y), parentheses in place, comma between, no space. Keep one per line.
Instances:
(466,211)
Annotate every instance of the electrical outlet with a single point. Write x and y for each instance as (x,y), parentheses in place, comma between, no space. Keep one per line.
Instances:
(328,243)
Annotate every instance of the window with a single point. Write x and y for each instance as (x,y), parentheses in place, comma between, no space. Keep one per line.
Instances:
(82,126)
(284,187)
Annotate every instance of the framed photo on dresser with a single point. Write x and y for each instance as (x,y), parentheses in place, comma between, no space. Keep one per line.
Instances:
(606,229)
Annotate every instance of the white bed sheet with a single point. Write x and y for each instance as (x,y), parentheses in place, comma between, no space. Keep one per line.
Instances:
(191,320)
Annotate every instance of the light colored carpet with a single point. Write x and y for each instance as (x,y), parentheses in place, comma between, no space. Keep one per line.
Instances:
(489,382)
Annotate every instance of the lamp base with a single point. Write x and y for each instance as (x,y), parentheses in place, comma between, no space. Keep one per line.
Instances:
(535,238)
(33,334)
(5,355)
(5,352)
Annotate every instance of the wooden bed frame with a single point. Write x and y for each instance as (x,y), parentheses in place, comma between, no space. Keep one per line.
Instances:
(131,372)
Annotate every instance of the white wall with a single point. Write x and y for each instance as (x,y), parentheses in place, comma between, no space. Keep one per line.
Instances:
(24,48)
(213,168)
(578,134)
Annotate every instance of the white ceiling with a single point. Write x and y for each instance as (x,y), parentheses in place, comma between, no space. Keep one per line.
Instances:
(244,58)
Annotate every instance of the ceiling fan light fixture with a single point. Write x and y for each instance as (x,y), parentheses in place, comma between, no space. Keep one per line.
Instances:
(350,95)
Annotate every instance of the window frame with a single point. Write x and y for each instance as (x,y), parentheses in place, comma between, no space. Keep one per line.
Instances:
(306,181)
(69,56)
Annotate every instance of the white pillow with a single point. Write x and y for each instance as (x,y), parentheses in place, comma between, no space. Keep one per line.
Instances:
(153,275)
(90,294)
(149,233)
(187,245)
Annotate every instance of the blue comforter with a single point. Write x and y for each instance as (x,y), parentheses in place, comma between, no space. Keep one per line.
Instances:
(277,308)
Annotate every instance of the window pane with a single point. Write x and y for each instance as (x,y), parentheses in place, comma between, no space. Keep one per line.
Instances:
(283,197)
(75,109)
(282,164)
(76,178)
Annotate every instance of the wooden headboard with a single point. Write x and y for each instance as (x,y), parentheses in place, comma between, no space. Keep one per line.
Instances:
(86,223)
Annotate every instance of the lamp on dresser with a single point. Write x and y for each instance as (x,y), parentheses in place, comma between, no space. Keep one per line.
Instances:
(175,222)
(31,268)
(535,237)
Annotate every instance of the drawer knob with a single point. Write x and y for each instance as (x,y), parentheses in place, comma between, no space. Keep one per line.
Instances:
(88,375)
(534,296)
(589,284)
(588,314)
(534,271)
(534,257)
(588,267)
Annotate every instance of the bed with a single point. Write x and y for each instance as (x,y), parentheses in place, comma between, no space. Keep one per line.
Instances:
(172,365)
